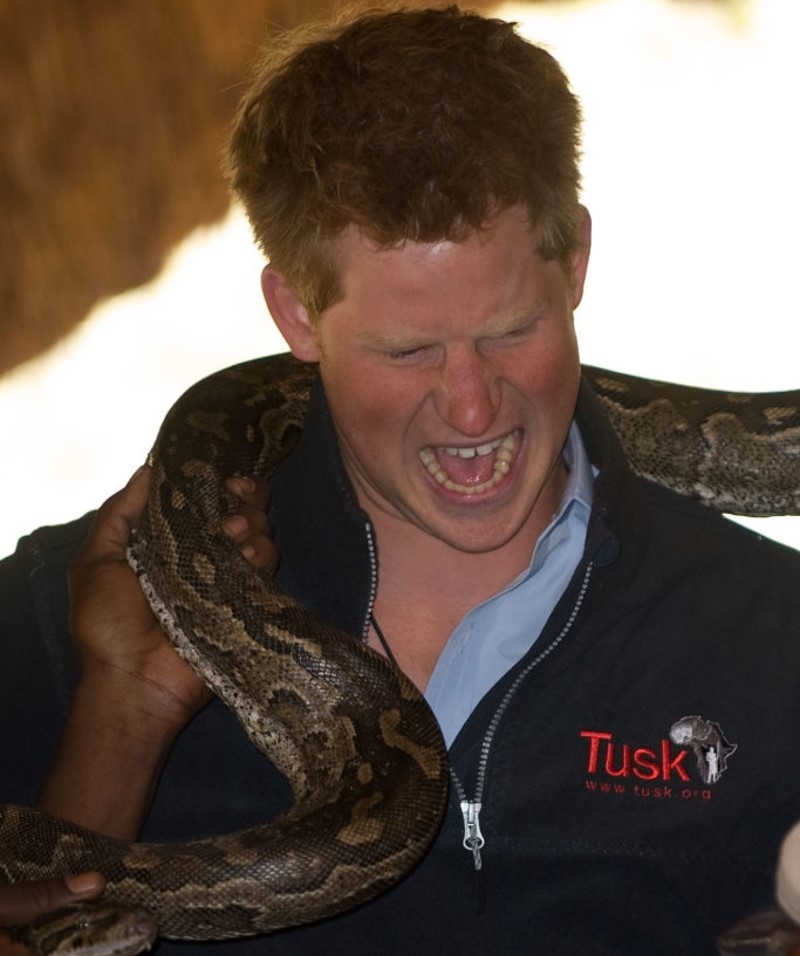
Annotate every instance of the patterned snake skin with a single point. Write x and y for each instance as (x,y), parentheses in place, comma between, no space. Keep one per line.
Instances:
(355,739)
(738,452)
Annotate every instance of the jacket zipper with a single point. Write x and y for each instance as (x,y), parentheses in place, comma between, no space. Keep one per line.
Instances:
(373,579)
(474,840)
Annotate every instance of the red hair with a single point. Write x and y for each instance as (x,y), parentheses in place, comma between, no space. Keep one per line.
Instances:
(409,125)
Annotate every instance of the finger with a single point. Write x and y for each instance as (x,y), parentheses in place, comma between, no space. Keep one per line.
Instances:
(111,529)
(261,553)
(246,525)
(259,549)
(253,492)
(250,528)
(22,903)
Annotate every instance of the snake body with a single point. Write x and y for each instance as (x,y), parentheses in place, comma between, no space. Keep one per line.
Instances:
(356,741)
(738,452)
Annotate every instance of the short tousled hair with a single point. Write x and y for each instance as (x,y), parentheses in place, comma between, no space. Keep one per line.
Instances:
(415,125)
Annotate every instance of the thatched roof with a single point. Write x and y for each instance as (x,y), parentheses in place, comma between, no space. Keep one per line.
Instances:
(113,114)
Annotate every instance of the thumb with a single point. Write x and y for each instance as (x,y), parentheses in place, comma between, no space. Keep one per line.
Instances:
(21,903)
(111,528)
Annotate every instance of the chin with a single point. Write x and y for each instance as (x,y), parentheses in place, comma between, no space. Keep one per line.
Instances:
(477,540)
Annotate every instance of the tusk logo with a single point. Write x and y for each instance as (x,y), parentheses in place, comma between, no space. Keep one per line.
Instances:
(707,741)
(663,770)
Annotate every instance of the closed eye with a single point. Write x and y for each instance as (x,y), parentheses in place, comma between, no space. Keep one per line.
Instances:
(405,355)
(516,333)
(511,336)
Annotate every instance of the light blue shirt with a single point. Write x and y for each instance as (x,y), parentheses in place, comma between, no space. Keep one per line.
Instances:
(497,633)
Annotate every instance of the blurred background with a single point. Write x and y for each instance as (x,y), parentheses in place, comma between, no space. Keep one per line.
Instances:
(125,275)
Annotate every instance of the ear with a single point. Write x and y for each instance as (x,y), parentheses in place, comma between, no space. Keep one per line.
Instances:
(579,260)
(290,315)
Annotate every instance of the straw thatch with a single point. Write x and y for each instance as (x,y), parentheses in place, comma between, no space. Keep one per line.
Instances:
(112,118)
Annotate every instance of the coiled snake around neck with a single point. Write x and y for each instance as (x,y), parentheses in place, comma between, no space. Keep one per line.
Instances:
(355,739)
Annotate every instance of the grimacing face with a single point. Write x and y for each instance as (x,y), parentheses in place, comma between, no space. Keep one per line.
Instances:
(452,372)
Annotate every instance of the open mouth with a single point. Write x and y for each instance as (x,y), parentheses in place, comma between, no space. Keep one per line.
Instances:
(472,469)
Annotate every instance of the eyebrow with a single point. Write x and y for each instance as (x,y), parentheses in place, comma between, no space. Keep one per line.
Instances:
(498,324)
(517,318)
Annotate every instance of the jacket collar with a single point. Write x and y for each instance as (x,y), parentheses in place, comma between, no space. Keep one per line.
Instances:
(620,529)
(320,530)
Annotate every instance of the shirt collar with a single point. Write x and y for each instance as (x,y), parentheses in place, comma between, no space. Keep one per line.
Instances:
(581,473)
(572,515)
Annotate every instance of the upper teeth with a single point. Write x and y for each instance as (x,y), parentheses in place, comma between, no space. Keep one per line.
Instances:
(474,450)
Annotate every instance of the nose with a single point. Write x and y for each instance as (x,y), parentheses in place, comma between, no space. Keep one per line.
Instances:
(468,392)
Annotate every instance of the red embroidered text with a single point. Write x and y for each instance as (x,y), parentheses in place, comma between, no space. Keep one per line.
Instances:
(624,760)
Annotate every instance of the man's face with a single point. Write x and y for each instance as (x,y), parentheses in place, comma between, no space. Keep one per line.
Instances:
(452,370)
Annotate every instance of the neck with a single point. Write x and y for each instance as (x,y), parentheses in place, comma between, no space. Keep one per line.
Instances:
(426,587)
(412,562)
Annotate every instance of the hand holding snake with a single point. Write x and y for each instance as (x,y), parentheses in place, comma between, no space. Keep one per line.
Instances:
(131,623)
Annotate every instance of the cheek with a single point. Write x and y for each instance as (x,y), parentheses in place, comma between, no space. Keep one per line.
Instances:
(369,416)
(388,419)
(553,379)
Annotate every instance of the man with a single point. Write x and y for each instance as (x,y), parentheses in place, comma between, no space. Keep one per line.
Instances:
(459,502)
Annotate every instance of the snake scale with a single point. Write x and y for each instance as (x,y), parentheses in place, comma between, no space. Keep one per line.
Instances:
(355,739)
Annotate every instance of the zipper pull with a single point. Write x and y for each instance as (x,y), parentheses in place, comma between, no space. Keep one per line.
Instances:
(473,838)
